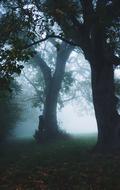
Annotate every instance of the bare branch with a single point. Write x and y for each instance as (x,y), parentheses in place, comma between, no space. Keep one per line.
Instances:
(31,83)
(48,37)
(45,69)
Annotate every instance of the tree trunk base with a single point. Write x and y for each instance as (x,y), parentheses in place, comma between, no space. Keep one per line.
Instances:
(47,136)
(106,148)
(109,142)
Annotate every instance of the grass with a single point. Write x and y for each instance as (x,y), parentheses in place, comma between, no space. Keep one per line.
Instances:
(61,165)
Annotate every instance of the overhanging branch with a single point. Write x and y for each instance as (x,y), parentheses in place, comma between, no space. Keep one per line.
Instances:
(51,36)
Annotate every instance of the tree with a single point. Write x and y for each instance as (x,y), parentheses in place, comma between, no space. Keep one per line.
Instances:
(10,110)
(53,80)
(72,88)
(91,26)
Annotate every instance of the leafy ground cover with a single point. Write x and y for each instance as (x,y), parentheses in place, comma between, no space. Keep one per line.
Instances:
(61,165)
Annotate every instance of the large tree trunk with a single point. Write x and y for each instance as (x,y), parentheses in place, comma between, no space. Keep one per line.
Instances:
(104,101)
(50,110)
(48,126)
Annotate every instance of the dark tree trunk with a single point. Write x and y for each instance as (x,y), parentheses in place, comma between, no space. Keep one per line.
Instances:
(103,90)
(105,102)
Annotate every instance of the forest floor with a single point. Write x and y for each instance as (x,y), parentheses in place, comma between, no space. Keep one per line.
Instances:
(61,165)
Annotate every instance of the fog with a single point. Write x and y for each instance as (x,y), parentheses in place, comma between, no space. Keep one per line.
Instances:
(74,123)
(69,119)
(76,117)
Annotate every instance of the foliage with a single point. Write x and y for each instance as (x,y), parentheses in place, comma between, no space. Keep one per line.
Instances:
(22,23)
(67,7)
(17,30)
(10,110)
(67,82)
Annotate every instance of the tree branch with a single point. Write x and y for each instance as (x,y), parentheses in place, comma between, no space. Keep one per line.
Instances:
(74,97)
(48,37)
(88,12)
(62,56)
(35,88)
(45,69)
(31,83)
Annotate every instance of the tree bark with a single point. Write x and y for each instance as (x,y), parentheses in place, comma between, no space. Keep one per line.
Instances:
(49,126)
(50,110)
(103,90)
(50,107)
(104,101)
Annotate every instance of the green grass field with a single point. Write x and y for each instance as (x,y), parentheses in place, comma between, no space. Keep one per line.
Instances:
(61,165)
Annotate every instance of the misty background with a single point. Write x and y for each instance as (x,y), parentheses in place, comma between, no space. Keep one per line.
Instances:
(76,117)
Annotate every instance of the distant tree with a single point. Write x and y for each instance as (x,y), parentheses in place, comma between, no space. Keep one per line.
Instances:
(10,111)
(53,81)
(76,82)
(17,49)
(73,88)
